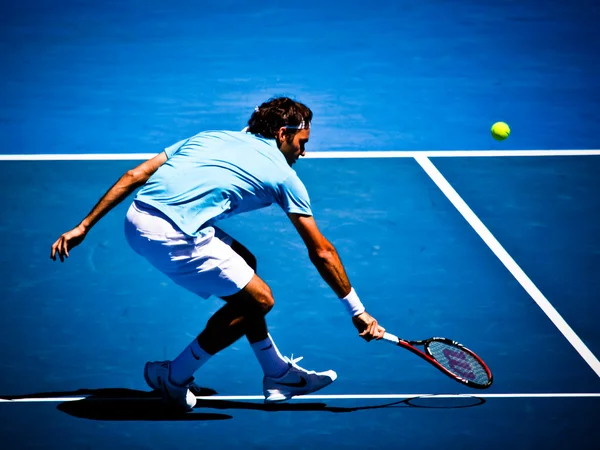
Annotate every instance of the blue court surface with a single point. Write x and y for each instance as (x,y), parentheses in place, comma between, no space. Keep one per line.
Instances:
(443,231)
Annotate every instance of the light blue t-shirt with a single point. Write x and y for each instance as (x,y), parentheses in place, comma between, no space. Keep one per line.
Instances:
(217,174)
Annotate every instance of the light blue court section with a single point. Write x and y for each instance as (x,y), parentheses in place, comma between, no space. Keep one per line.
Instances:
(544,211)
(136,76)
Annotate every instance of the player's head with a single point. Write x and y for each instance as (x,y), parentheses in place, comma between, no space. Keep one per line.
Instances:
(285,120)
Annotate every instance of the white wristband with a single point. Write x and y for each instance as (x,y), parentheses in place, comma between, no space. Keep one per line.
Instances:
(353,304)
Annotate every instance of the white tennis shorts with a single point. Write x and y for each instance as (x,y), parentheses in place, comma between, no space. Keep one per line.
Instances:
(205,265)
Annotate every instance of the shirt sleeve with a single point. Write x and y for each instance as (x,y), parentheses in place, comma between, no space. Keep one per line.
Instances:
(171,150)
(294,196)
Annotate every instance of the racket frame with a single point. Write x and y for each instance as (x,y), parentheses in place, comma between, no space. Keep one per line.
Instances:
(427,356)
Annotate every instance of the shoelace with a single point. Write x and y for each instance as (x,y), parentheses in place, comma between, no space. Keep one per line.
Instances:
(293,361)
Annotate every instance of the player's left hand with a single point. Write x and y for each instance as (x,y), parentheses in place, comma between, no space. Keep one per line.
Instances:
(66,242)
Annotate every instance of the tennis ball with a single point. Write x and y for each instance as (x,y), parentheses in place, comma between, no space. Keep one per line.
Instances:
(500,131)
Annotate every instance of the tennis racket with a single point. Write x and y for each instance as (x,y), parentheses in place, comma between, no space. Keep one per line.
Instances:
(451,358)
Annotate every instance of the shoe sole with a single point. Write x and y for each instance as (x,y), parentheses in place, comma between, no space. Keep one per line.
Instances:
(278,398)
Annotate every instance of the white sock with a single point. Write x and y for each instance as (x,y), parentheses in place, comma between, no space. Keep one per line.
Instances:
(270,359)
(185,365)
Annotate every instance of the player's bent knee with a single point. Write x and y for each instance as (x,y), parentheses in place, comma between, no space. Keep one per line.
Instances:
(266,303)
(261,294)
(256,297)
(263,299)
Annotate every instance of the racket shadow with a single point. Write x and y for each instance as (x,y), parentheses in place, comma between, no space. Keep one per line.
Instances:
(414,402)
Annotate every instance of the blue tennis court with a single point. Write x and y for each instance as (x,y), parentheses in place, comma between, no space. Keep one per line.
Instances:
(443,230)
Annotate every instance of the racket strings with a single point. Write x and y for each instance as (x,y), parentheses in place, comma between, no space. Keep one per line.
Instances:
(459,362)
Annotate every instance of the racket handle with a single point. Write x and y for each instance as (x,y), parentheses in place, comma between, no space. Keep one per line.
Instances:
(390,338)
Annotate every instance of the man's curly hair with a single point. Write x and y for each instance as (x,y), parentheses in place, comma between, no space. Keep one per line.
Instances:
(279,112)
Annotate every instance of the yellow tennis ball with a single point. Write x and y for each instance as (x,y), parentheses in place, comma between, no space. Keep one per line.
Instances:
(500,131)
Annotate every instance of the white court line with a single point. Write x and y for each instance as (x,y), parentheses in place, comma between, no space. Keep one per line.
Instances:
(327,397)
(319,155)
(449,153)
(509,263)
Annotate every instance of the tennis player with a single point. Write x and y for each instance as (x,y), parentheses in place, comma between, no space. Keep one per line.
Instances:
(172,222)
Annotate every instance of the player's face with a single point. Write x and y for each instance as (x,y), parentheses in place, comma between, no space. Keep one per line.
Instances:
(292,146)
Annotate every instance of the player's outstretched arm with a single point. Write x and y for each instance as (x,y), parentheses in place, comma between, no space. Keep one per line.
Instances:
(327,261)
(128,183)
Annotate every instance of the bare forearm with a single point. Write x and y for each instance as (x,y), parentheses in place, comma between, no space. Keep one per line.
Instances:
(115,195)
(330,268)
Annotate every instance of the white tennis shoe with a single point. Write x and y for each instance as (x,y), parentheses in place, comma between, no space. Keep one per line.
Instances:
(157,376)
(296,381)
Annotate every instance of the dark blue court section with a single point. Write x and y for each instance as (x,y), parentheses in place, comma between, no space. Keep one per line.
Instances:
(89,324)
(497,425)
(132,76)
(545,212)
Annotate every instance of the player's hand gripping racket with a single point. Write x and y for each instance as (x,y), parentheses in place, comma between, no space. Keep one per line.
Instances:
(451,358)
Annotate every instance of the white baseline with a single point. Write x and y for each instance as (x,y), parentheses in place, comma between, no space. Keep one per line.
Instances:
(328,397)
(319,155)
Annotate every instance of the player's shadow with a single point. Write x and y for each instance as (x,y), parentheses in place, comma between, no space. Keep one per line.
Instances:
(120,404)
